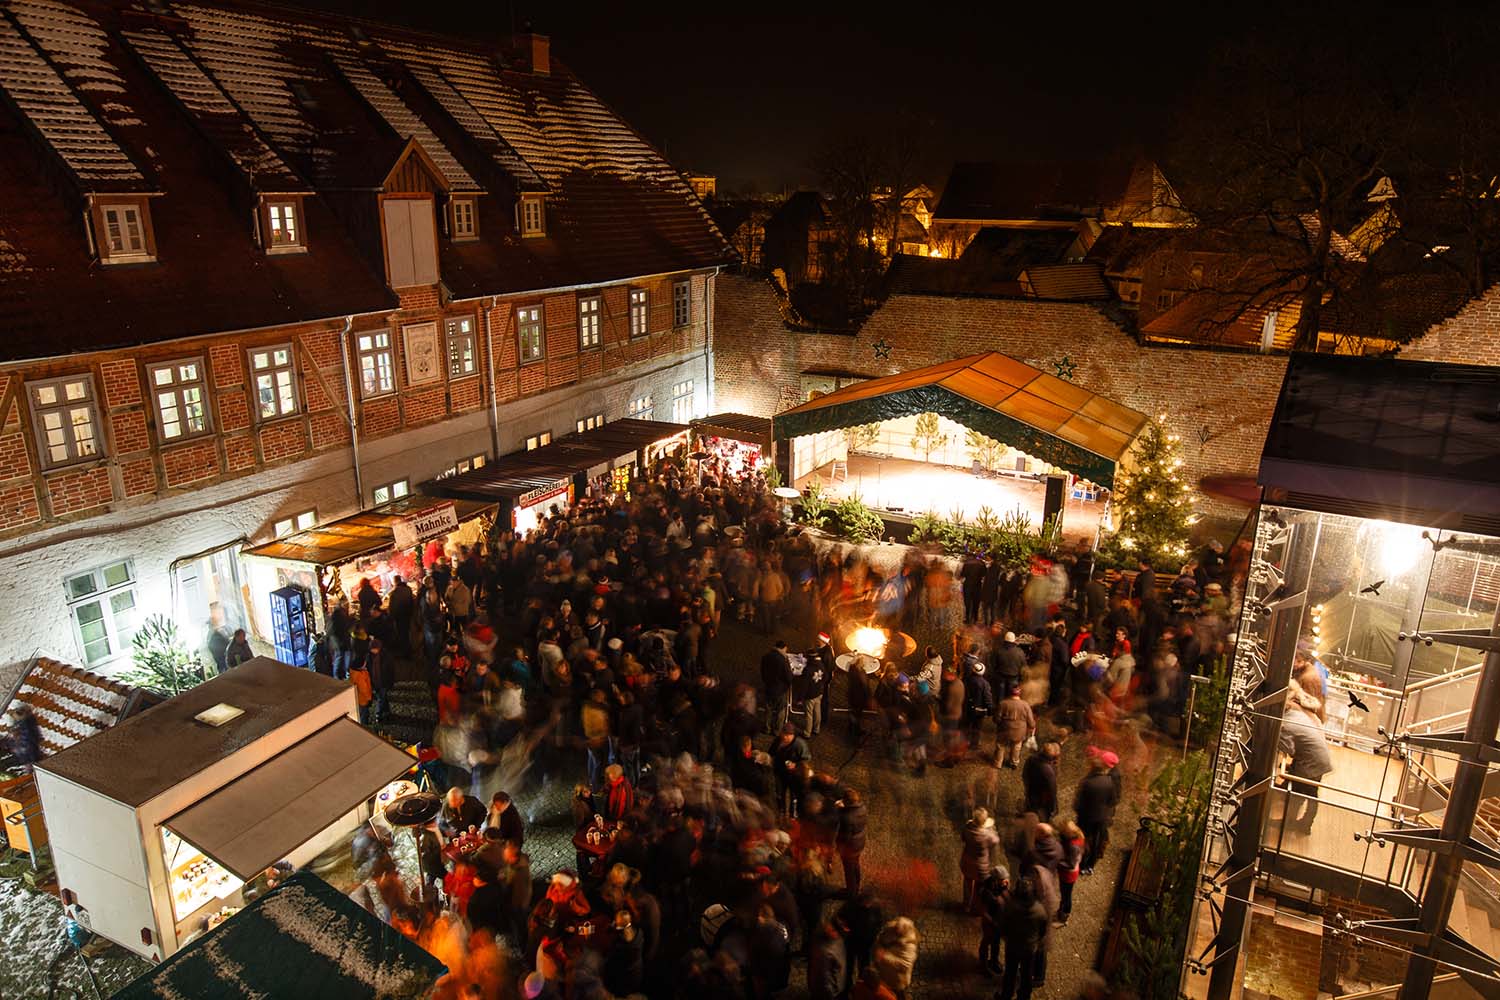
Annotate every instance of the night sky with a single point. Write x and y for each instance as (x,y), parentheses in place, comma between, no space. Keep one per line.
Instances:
(752,93)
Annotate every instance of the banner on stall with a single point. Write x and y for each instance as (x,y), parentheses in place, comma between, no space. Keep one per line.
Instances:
(424,524)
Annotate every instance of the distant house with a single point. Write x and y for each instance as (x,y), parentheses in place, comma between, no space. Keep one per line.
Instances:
(798,239)
(743,223)
(705,186)
(1009,262)
(1051,196)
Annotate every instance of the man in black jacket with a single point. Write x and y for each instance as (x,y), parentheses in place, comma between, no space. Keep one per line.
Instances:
(776,682)
(1039,779)
(1006,661)
(812,685)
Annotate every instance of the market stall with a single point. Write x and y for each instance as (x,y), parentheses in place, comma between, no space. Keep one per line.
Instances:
(170,813)
(735,443)
(329,560)
(529,484)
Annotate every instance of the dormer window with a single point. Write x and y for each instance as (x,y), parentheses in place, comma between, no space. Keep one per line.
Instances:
(124,231)
(284,231)
(533,216)
(465,224)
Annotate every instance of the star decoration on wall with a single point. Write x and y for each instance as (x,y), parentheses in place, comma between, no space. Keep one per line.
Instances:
(1065,368)
(882,350)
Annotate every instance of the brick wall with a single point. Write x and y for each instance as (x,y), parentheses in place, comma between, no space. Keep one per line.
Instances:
(1283,955)
(1218,402)
(1471,336)
(1349,959)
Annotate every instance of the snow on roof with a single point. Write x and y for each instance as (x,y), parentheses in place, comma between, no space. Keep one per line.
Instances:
(69,704)
(402,120)
(451,101)
(78,138)
(212,110)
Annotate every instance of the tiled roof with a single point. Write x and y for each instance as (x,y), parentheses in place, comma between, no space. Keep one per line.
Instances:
(1067,190)
(1065,281)
(293,101)
(71,704)
(74,134)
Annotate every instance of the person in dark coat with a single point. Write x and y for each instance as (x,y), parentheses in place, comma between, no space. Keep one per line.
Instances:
(488,909)
(382,671)
(857,691)
(1143,587)
(1006,661)
(1024,921)
(776,683)
(238,651)
(860,920)
(460,812)
(1039,780)
(1094,807)
(787,756)
(850,839)
(402,606)
(505,817)
(972,575)
(827,964)
(992,894)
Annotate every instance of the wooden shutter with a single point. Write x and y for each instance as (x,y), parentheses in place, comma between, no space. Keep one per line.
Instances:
(423,242)
(399,267)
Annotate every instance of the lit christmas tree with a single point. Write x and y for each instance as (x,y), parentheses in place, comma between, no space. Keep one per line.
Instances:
(1150,505)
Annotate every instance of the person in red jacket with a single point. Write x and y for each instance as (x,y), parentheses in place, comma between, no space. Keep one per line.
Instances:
(619,798)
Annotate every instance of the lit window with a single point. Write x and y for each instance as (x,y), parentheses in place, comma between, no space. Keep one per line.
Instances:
(297,522)
(682,303)
(275,388)
(377,369)
(66,420)
(641,406)
(537,440)
(533,218)
(638,322)
(462,359)
(465,465)
(589,309)
(284,229)
(529,332)
(682,401)
(387,492)
(464,225)
(124,236)
(179,392)
(589,423)
(101,603)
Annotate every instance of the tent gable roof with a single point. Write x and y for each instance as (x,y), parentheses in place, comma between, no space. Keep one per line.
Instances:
(995,394)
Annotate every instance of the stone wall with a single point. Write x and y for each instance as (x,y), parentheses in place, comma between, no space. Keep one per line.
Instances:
(1219,402)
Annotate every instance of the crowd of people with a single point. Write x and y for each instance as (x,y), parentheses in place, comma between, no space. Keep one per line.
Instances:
(705,859)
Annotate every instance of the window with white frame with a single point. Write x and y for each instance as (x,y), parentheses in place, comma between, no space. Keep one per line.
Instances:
(462,358)
(590,422)
(377,365)
(297,522)
(386,492)
(275,381)
(529,332)
(66,419)
(283,225)
(537,440)
(590,313)
(123,235)
(682,401)
(639,324)
(465,465)
(641,407)
(101,603)
(682,303)
(178,389)
(533,216)
(464,225)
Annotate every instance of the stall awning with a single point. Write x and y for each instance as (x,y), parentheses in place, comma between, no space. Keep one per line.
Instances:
(302,939)
(362,534)
(511,476)
(266,813)
(1053,419)
(737,426)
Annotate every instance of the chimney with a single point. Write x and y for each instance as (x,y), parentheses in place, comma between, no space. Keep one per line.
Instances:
(534,52)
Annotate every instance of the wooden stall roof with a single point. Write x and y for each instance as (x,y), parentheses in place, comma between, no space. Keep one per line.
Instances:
(520,472)
(71,704)
(739,426)
(357,535)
